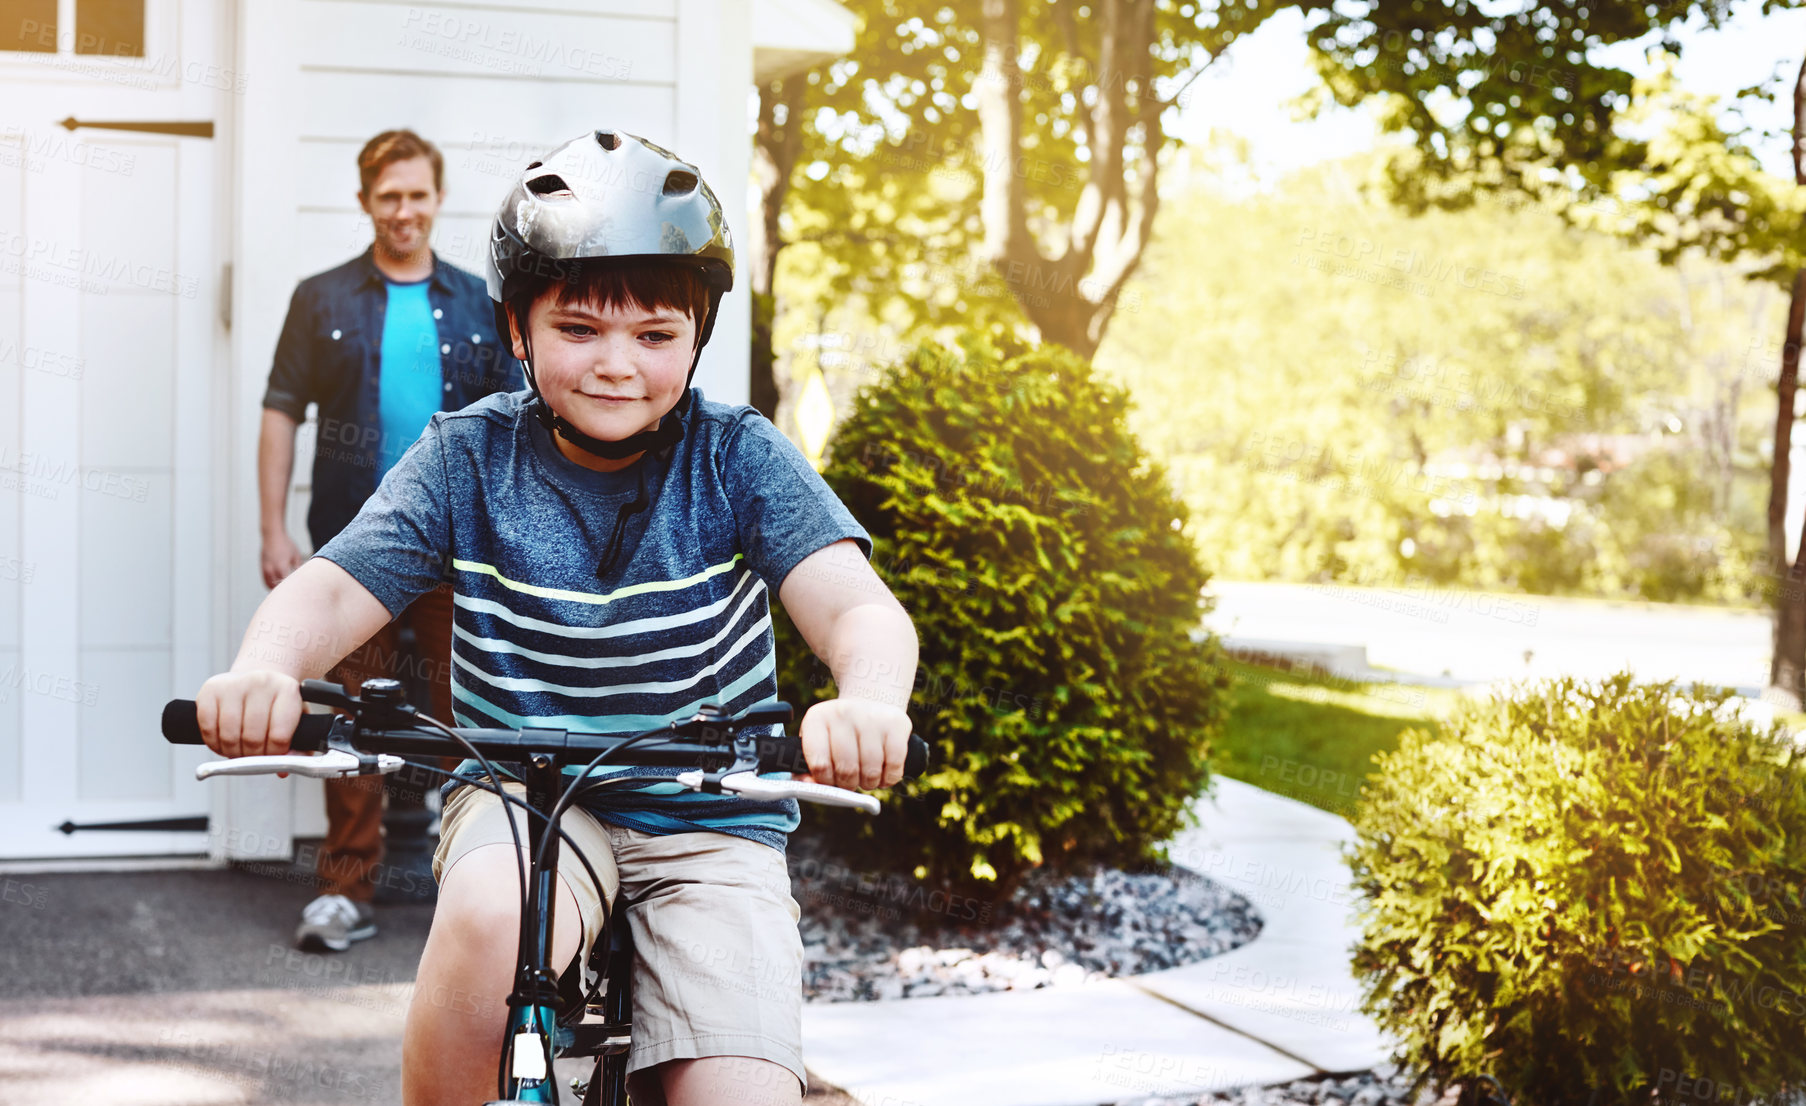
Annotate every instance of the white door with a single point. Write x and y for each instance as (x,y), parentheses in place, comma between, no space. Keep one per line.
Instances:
(113,215)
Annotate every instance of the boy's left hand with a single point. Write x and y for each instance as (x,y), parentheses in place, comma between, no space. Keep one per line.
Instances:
(855,743)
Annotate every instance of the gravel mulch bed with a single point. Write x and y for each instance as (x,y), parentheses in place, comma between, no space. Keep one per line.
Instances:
(871,937)
(1384,1086)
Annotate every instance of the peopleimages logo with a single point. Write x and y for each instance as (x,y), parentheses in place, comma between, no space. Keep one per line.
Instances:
(44,258)
(39,359)
(18,677)
(37,474)
(1400,261)
(37,147)
(468,35)
(120,62)
(16,570)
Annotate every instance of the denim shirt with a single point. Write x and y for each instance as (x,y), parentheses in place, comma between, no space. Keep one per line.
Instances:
(330,353)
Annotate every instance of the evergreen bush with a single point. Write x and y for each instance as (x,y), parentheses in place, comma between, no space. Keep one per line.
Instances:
(1594,892)
(1045,562)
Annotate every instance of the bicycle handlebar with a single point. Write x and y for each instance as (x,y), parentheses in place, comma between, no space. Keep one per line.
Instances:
(780,753)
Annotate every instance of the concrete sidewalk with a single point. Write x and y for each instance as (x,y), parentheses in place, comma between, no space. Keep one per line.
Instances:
(1280,1007)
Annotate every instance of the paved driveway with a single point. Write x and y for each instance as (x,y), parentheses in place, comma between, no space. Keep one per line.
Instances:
(179,988)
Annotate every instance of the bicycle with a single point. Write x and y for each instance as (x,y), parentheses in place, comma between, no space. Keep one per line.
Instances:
(551,1017)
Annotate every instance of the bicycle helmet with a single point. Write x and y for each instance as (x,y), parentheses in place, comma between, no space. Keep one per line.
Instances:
(610,196)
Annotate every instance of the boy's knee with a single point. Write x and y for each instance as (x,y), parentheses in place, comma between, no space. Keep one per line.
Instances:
(479,909)
(479,897)
(742,1080)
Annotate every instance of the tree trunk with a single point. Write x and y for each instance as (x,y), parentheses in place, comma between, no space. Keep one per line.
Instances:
(1071,298)
(1787,668)
(775,151)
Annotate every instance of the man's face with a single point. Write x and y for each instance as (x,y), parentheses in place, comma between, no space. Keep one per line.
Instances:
(611,373)
(401,204)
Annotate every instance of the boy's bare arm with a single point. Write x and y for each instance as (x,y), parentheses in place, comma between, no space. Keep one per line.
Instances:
(310,622)
(853,623)
(856,626)
(307,624)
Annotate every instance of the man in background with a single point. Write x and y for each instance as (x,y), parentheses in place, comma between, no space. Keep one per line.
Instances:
(380,343)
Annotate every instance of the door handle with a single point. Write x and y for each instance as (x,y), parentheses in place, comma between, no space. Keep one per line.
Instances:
(189,130)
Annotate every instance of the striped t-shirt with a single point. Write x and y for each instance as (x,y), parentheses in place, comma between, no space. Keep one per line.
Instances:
(485,500)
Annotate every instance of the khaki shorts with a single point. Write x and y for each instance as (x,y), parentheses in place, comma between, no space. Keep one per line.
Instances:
(718,958)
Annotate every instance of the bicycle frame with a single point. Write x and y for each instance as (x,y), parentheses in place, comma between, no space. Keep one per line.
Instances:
(532,1078)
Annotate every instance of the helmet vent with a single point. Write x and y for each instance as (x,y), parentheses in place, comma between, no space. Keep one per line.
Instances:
(609,140)
(679,182)
(535,164)
(550,184)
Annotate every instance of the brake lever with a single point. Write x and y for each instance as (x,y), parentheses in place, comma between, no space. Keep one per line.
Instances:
(752,786)
(326,766)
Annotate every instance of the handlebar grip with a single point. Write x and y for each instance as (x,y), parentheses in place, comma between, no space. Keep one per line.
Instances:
(917,761)
(181,727)
(785,754)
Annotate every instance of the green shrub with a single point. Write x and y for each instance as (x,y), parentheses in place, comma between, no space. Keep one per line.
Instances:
(1589,889)
(1045,563)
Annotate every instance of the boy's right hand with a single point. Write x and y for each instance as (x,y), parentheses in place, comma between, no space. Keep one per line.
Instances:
(244,714)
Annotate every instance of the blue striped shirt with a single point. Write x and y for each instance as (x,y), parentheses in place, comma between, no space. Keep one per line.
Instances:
(485,500)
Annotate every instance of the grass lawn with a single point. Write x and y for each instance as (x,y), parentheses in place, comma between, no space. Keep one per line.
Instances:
(1312,737)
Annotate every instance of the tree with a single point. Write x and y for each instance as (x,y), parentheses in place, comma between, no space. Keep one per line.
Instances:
(1700,189)
(1787,664)
(999,160)
(774,158)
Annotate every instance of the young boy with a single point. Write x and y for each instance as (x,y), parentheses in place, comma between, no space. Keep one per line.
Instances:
(611,537)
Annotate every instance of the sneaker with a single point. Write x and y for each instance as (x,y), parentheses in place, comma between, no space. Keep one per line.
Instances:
(331,922)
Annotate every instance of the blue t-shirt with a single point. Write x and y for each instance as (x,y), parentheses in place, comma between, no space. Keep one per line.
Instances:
(409,389)
(485,500)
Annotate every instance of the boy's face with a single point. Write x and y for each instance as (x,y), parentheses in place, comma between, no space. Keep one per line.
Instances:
(612,373)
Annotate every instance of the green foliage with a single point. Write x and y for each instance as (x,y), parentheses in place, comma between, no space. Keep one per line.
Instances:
(1499,99)
(1698,188)
(889,191)
(1045,564)
(1480,399)
(1581,886)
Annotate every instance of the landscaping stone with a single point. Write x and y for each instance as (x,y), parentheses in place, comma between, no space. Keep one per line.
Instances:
(861,942)
(1382,1086)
